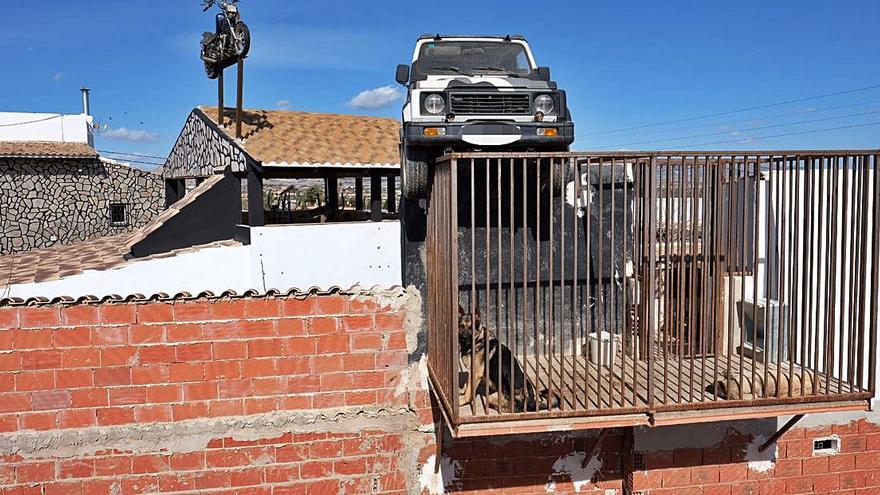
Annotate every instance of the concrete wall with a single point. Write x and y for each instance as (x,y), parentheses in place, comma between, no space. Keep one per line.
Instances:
(46,127)
(44,202)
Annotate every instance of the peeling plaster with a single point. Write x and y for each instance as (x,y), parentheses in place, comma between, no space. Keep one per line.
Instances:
(435,483)
(760,462)
(580,472)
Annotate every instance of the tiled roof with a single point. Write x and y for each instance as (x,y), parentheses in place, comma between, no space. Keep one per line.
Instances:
(45,149)
(281,138)
(52,263)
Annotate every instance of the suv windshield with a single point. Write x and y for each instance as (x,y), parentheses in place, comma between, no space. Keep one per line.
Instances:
(471,57)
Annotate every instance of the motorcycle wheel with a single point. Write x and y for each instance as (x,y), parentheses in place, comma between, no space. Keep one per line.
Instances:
(211,70)
(244,34)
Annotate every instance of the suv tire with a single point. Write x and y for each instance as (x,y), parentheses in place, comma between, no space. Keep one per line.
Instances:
(414,176)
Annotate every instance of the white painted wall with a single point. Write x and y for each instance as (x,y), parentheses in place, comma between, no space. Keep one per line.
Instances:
(46,127)
(323,255)
(279,257)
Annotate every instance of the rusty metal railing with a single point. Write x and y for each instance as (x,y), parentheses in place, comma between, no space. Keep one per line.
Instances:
(597,284)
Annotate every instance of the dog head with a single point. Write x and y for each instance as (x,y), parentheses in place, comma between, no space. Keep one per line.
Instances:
(467,324)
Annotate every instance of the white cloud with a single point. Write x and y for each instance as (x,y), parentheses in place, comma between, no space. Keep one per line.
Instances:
(57,77)
(372,99)
(282,104)
(125,134)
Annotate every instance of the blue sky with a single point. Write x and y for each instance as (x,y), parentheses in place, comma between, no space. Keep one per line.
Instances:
(624,64)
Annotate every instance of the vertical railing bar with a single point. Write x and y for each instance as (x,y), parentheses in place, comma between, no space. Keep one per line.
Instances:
(639,240)
(561,314)
(511,298)
(525,260)
(705,296)
(771,215)
(575,293)
(625,289)
(780,283)
(652,252)
(473,302)
(728,258)
(807,289)
(863,258)
(796,330)
(588,271)
(600,388)
(692,275)
(821,336)
(452,232)
(613,303)
(487,284)
(756,240)
(680,318)
(833,276)
(499,260)
(538,312)
(840,321)
(875,278)
(668,343)
(850,268)
(550,277)
(716,265)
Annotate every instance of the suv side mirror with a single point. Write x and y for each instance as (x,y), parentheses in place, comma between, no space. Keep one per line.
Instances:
(402,75)
(543,73)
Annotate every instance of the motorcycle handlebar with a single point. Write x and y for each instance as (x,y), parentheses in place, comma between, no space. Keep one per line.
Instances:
(207,4)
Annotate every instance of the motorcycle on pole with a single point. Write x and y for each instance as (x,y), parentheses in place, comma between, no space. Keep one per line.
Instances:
(230,41)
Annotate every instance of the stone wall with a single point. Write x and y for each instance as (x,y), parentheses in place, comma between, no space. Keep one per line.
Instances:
(201,149)
(44,202)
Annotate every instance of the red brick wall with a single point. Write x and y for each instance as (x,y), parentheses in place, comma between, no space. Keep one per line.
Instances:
(67,369)
(129,365)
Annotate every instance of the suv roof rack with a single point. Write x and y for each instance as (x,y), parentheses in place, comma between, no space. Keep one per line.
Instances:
(438,36)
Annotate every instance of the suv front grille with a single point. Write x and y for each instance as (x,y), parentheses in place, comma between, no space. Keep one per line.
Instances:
(489,104)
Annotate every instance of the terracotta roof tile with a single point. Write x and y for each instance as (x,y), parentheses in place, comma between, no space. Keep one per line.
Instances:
(283,138)
(45,149)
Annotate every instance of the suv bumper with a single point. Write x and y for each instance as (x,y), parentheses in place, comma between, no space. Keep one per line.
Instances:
(522,134)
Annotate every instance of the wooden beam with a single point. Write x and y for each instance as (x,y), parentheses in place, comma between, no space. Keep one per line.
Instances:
(332,188)
(375,197)
(256,213)
(392,199)
(359,194)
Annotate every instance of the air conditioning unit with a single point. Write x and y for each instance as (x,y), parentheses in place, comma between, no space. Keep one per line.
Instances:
(763,321)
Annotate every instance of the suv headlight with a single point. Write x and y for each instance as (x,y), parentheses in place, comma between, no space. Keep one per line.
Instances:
(434,104)
(544,104)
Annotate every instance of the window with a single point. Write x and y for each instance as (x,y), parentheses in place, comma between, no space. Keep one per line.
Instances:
(118,214)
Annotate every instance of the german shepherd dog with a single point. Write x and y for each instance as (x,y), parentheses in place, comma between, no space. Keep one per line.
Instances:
(484,346)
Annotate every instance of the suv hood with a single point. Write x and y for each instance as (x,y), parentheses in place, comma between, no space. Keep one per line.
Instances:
(448,81)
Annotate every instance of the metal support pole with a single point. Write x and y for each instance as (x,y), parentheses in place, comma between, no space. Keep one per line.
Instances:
(359,194)
(240,97)
(220,99)
(787,426)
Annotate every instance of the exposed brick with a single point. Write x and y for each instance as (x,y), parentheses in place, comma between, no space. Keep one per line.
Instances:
(39,317)
(72,337)
(298,307)
(155,313)
(37,338)
(262,308)
(46,400)
(191,311)
(184,332)
(115,314)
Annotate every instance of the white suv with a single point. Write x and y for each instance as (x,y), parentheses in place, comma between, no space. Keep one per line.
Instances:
(476,93)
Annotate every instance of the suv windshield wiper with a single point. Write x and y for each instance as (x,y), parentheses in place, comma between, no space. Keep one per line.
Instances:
(450,68)
(498,69)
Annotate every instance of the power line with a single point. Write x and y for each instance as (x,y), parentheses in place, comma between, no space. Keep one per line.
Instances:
(31,121)
(811,131)
(133,154)
(728,112)
(752,119)
(787,124)
(126,160)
